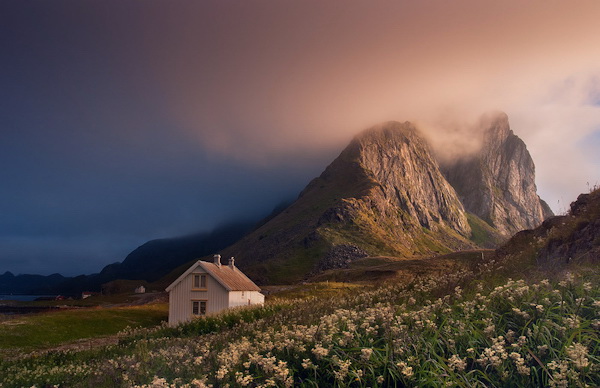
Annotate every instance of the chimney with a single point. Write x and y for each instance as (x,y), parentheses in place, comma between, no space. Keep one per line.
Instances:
(231,263)
(217,260)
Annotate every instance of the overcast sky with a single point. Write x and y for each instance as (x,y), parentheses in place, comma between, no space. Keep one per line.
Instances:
(124,121)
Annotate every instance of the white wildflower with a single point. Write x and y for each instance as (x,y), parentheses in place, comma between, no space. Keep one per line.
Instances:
(539,308)
(457,363)
(520,363)
(577,353)
(319,351)
(308,364)
(405,369)
(366,354)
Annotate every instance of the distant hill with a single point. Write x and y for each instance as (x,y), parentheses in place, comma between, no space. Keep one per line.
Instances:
(386,195)
(148,262)
(27,284)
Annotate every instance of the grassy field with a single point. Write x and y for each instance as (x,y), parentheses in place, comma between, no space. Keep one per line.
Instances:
(45,330)
(468,328)
(92,301)
(382,268)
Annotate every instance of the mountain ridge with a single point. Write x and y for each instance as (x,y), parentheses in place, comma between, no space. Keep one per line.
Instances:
(149,262)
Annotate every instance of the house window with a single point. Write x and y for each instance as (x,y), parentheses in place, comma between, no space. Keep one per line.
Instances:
(199,307)
(199,281)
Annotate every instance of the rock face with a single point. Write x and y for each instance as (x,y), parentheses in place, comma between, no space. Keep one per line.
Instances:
(340,256)
(408,178)
(498,183)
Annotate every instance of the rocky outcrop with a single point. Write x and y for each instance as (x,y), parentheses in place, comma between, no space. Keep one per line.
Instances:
(559,241)
(340,256)
(575,237)
(399,202)
(408,179)
(498,183)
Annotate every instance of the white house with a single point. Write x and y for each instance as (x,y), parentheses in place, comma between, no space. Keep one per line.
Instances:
(207,288)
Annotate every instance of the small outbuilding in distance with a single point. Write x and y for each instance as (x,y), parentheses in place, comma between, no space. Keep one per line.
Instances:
(207,288)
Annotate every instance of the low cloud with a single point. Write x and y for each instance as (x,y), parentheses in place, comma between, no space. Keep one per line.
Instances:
(302,78)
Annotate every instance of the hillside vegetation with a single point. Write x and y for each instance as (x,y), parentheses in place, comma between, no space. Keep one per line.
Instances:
(573,238)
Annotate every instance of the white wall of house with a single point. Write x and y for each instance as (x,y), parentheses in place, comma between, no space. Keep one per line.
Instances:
(245,298)
(183,294)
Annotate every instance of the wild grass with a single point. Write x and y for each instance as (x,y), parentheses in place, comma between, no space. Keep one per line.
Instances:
(457,330)
(38,331)
(482,233)
(92,301)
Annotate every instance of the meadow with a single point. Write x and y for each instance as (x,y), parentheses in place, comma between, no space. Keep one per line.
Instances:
(34,332)
(465,329)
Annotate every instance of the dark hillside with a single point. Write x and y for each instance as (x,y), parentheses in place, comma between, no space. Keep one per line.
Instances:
(149,262)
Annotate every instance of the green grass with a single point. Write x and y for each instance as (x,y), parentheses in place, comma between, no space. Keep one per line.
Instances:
(318,290)
(293,267)
(45,330)
(482,233)
(92,301)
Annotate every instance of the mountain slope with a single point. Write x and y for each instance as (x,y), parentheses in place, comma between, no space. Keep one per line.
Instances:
(384,195)
(561,240)
(497,184)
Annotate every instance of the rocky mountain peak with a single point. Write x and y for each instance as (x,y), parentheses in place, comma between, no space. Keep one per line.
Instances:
(498,183)
(496,129)
(385,194)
